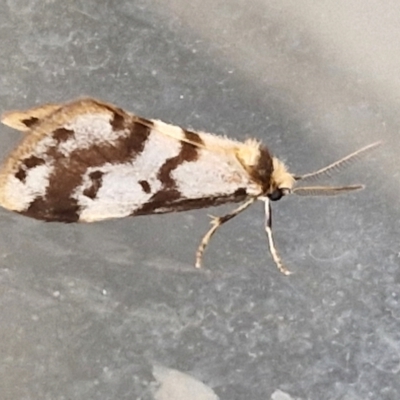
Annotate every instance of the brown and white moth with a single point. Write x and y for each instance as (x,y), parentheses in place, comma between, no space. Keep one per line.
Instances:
(87,161)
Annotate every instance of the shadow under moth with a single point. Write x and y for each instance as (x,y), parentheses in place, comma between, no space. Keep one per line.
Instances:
(87,160)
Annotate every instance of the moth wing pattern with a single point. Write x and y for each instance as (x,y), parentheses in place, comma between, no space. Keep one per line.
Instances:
(25,120)
(88,160)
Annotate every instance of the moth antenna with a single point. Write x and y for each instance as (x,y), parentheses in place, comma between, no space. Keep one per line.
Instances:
(325,190)
(339,165)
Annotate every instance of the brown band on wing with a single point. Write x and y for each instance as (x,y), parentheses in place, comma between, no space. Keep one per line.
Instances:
(66,211)
(118,121)
(263,170)
(58,204)
(162,204)
(169,192)
(28,163)
(188,153)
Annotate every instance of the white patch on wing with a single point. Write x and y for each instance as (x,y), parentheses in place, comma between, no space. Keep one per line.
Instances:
(210,175)
(43,145)
(89,129)
(121,193)
(20,194)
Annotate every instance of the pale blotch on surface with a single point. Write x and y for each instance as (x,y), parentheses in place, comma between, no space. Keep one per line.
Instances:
(179,386)
(279,395)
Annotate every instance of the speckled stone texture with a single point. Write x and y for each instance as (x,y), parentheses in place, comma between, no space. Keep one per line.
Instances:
(88,311)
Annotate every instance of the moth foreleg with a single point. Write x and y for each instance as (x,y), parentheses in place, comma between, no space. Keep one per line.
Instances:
(216,223)
(268,230)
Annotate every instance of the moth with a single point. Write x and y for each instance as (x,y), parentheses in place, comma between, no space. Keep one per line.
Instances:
(88,160)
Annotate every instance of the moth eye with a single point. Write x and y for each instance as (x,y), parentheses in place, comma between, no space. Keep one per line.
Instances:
(278,193)
(275,195)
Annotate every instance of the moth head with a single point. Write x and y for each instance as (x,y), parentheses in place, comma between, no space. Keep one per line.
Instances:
(282,181)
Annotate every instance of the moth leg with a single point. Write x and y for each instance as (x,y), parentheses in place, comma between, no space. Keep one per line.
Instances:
(216,222)
(268,230)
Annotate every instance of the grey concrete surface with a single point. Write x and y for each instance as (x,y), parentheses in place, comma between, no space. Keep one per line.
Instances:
(88,311)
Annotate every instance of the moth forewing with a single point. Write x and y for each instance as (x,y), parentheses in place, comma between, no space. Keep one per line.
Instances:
(88,160)
(25,120)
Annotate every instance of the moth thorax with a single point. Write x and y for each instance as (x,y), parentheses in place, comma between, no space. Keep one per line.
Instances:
(249,153)
(281,178)
(257,161)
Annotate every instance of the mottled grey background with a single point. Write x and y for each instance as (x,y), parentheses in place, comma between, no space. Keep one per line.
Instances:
(87,311)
